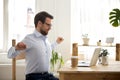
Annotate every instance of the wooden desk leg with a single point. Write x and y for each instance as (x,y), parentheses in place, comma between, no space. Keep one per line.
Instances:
(61,76)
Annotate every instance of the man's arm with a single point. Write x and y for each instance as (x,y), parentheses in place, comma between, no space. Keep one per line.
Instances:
(14,51)
(58,41)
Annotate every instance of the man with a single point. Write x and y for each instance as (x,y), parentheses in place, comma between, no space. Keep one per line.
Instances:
(37,49)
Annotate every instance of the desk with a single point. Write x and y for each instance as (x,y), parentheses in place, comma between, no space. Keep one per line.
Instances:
(98,72)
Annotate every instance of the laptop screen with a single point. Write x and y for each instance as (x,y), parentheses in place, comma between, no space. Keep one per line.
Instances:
(93,60)
(95,57)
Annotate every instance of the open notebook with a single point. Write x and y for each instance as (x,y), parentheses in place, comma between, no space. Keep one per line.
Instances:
(93,60)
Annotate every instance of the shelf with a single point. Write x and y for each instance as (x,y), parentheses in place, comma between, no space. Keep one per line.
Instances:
(99,46)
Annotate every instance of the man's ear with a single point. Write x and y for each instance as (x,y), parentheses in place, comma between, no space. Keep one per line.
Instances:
(40,23)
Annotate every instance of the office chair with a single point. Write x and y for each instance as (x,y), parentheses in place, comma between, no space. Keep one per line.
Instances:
(21,56)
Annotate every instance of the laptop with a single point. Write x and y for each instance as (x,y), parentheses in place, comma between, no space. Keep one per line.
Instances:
(93,60)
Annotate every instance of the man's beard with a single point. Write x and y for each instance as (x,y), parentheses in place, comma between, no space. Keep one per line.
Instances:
(43,32)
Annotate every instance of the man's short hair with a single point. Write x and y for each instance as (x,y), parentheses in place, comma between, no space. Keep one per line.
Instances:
(41,16)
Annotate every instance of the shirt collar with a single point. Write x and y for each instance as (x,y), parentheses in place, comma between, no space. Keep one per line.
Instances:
(38,34)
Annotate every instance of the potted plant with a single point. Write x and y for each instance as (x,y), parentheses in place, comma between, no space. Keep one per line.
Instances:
(56,61)
(85,39)
(103,56)
(114,17)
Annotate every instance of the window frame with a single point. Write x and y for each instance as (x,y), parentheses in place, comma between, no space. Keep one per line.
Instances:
(5,26)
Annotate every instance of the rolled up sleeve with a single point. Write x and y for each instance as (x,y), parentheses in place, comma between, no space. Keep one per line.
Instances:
(53,45)
(12,53)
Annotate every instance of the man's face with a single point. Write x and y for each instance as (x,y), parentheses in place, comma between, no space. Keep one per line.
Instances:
(46,26)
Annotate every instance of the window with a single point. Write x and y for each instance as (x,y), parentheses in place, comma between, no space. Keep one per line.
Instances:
(21,14)
(16,21)
(92,17)
(1,25)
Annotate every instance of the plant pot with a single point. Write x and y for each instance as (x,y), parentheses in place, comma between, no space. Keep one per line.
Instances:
(85,41)
(105,60)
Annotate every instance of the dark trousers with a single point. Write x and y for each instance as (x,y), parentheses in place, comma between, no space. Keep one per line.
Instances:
(41,76)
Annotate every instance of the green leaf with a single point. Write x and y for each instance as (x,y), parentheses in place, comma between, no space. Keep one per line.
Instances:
(104,52)
(111,17)
(115,23)
(55,58)
(112,13)
(114,17)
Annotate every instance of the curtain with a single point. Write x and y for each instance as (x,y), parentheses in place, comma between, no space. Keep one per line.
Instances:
(92,17)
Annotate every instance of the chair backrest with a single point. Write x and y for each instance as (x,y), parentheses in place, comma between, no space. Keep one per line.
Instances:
(21,56)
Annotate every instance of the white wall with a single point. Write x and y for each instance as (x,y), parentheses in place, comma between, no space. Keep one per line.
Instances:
(6,68)
(6,72)
(60,9)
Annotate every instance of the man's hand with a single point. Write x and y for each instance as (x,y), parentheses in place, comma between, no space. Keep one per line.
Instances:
(59,40)
(20,46)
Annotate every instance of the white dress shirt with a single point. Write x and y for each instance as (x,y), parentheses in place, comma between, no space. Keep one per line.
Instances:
(37,53)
